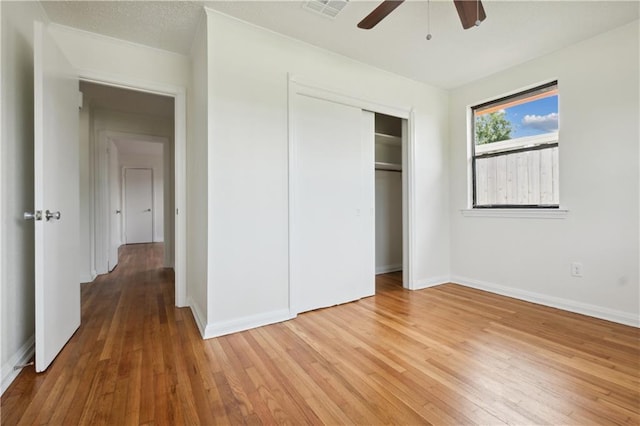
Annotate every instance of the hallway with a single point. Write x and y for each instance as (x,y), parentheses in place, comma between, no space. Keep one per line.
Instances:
(124,345)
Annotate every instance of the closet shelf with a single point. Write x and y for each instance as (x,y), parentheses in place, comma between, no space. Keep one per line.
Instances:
(388,139)
(388,166)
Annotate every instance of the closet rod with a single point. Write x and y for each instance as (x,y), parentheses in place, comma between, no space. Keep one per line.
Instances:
(391,167)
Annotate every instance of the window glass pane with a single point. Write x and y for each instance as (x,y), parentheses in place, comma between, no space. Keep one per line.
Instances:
(522,178)
(530,115)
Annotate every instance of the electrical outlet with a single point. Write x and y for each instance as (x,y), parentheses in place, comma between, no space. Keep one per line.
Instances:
(576,269)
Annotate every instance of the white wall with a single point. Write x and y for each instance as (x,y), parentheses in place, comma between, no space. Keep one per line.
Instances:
(115,205)
(388,221)
(248,187)
(109,58)
(16,190)
(389,197)
(599,185)
(87,254)
(156,163)
(197,180)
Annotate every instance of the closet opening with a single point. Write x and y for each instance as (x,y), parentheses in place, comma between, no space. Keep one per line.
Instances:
(388,199)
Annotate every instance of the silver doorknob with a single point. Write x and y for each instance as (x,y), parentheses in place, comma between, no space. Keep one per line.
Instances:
(37,215)
(118,212)
(52,215)
(147,210)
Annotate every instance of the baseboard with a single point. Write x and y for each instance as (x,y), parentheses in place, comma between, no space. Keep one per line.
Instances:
(430,282)
(88,278)
(200,320)
(552,301)
(385,269)
(246,323)
(22,356)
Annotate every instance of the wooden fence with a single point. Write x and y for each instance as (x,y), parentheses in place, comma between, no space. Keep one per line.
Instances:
(529,177)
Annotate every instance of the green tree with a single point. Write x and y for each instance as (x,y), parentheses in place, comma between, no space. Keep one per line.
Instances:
(492,127)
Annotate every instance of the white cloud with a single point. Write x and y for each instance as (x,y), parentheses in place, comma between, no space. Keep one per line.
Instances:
(547,123)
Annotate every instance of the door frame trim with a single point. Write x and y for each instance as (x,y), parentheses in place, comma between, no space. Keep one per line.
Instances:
(179,161)
(300,86)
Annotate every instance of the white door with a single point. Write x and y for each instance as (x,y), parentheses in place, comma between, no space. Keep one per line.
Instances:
(56,190)
(138,203)
(115,209)
(332,233)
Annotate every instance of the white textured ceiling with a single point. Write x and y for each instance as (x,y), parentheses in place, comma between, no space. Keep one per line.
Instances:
(514,31)
(167,25)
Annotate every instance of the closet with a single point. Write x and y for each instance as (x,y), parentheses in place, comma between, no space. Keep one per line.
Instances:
(345,215)
(388,193)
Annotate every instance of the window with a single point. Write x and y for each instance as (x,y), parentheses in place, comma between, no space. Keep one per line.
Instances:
(515,150)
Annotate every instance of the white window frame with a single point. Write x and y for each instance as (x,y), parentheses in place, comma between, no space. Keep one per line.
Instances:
(512,145)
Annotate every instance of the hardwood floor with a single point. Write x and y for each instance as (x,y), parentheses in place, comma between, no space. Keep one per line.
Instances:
(445,355)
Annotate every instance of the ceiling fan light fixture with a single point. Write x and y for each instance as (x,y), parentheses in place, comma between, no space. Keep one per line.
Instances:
(478,21)
(470,12)
(428,20)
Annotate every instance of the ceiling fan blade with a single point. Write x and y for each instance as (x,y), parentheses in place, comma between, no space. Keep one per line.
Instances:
(379,13)
(470,11)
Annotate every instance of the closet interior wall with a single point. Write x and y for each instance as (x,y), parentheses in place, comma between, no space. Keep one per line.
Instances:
(388,193)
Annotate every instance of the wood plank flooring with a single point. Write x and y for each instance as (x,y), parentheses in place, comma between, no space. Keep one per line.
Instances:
(445,355)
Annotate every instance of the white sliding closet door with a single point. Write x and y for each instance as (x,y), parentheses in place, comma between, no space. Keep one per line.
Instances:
(332,229)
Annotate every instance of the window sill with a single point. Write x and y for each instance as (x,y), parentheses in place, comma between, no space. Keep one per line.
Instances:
(517,213)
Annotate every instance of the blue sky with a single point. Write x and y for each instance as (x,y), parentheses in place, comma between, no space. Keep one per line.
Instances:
(533,118)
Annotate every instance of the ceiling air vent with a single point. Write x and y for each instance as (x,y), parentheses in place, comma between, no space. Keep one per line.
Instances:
(328,8)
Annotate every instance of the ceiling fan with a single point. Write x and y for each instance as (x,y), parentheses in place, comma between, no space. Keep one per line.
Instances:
(471,13)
